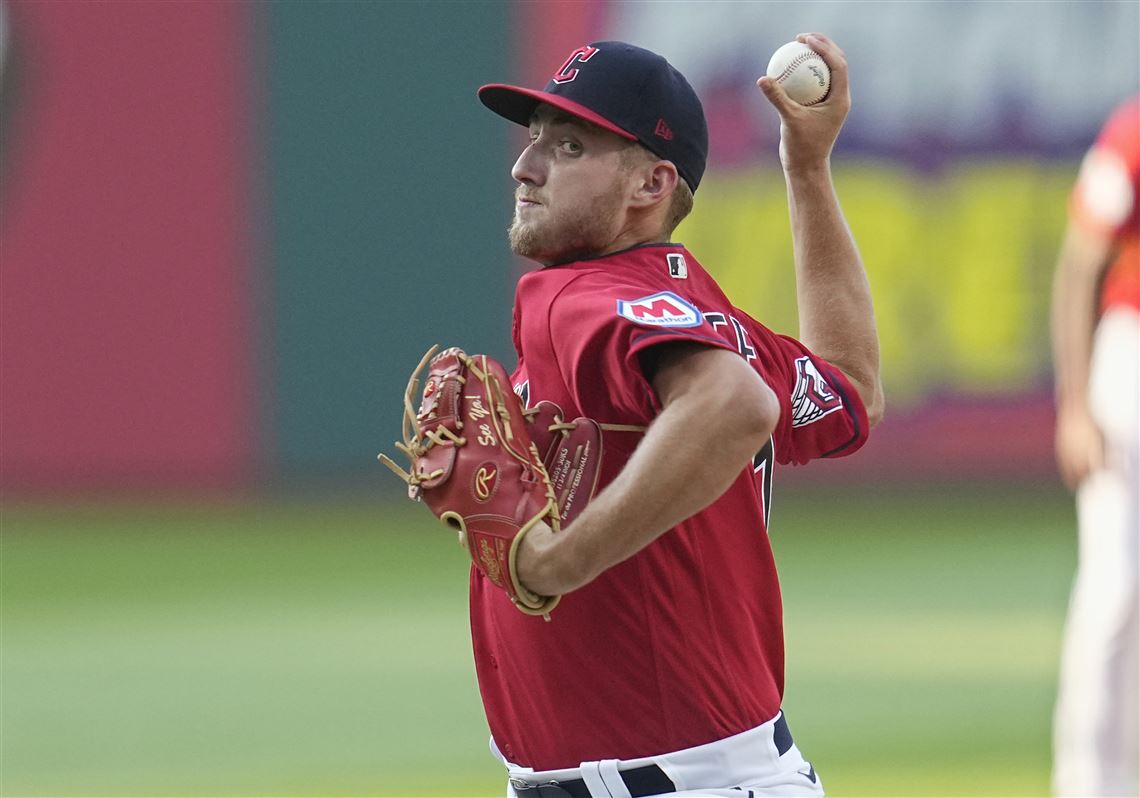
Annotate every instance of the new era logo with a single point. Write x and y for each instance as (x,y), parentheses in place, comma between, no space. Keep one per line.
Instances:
(663,131)
(664,309)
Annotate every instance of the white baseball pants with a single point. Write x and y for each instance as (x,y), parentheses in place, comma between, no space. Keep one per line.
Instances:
(746,765)
(1095,743)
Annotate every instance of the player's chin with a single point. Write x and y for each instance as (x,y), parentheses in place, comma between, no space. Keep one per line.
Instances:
(526,240)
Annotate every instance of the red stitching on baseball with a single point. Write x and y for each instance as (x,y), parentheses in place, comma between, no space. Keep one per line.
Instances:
(799,59)
(795,62)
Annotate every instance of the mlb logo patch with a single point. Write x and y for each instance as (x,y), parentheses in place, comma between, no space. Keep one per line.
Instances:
(664,309)
(678,269)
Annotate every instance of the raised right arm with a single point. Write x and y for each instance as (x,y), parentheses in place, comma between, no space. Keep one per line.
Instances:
(837,320)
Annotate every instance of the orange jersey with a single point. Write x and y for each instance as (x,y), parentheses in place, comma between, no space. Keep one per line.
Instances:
(1106,201)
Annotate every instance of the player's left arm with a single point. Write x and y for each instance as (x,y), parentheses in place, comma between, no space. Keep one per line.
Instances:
(837,320)
(716,414)
(1085,255)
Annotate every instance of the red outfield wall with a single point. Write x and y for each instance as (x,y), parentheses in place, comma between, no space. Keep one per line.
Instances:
(124,254)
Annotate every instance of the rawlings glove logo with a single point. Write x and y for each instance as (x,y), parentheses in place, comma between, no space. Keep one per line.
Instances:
(485,479)
(490,560)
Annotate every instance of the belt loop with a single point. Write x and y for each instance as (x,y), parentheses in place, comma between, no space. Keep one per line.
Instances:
(782,735)
(611,778)
(592,778)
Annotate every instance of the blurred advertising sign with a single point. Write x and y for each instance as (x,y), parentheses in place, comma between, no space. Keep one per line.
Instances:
(954,166)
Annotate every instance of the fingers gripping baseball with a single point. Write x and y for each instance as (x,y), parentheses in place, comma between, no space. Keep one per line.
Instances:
(808,132)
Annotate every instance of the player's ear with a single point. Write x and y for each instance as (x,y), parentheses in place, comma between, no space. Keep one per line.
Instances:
(657,180)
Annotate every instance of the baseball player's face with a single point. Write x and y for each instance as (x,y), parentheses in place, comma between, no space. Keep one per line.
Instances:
(572,187)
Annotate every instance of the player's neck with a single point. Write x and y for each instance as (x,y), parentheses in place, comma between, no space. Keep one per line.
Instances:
(647,230)
(606,252)
(623,245)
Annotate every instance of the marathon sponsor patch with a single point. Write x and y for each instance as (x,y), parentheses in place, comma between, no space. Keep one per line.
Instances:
(812,398)
(664,309)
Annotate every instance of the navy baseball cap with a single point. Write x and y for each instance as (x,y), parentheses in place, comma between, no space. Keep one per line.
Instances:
(627,90)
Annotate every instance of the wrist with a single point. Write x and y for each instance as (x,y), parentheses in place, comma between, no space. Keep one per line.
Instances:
(809,169)
(1073,409)
(539,562)
(1072,400)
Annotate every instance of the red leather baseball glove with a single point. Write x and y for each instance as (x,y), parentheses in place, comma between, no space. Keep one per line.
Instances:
(572,454)
(476,465)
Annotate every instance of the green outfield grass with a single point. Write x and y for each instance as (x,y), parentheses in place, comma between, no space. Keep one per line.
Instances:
(320,648)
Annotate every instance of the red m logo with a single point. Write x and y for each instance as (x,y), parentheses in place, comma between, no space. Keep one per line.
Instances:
(659,308)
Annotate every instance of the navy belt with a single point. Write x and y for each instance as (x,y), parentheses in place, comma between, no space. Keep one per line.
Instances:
(641,782)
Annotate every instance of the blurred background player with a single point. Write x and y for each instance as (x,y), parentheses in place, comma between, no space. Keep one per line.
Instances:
(1096,340)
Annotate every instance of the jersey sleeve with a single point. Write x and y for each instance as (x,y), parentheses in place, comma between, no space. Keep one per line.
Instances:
(598,329)
(1106,196)
(821,413)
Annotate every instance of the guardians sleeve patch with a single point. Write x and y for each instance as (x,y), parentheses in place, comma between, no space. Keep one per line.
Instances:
(812,398)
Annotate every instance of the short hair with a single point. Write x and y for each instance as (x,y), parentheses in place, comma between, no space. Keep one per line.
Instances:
(680,204)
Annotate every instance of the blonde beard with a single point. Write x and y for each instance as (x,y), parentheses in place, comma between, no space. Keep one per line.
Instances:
(582,232)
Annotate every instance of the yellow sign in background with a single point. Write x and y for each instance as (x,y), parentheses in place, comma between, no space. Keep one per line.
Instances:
(960,263)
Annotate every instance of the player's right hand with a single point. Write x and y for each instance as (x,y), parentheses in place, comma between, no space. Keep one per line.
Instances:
(1079,445)
(808,132)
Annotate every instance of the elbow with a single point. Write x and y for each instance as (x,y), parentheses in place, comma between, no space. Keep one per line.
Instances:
(868,384)
(874,401)
(741,415)
(767,413)
(875,412)
(759,413)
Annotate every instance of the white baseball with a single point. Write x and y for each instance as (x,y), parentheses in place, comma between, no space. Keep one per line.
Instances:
(802,72)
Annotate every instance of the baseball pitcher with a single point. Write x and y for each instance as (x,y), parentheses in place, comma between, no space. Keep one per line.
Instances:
(614,491)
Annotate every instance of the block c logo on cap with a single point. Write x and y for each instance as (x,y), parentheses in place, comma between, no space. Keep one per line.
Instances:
(664,309)
(565,73)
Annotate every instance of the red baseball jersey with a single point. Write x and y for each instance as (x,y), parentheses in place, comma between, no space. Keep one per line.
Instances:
(682,644)
(1106,200)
